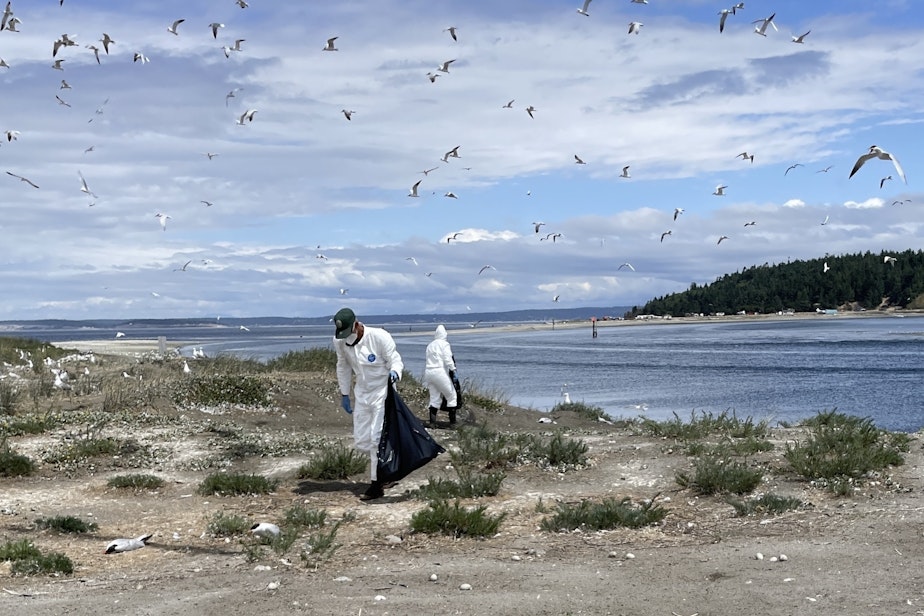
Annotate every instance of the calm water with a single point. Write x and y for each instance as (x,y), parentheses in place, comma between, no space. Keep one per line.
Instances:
(780,370)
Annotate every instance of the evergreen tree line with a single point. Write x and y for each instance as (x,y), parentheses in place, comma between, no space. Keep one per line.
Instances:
(866,281)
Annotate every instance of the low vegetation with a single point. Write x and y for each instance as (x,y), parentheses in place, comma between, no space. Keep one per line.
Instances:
(484,448)
(136,481)
(703,424)
(13,464)
(720,476)
(26,559)
(224,388)
(765,504)
(841,449)
(222,524)
(579,408)
(67,524)
(307,360)
(440,517)
(236,484)
(605,515)
(332,462)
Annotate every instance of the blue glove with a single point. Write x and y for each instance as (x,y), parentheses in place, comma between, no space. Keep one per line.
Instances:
(345,403)
(393,377)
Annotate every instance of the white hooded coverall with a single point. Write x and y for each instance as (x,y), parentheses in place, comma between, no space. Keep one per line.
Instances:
(436,371)
(370,360)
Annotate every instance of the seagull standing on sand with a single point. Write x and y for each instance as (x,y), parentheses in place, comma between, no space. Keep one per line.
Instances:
(117,546)
(583,9)
(876,152)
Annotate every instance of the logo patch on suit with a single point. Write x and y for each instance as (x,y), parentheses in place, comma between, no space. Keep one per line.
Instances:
(371,358)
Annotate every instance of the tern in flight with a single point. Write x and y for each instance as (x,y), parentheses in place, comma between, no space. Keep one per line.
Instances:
(583,9)
(876,152)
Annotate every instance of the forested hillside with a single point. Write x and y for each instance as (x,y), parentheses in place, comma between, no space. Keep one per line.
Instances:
(867,280)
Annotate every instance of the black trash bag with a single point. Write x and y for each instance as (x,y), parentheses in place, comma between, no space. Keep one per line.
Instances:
(405,445)
(444,406)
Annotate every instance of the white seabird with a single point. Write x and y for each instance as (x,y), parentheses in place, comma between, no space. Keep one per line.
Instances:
(583,9)
(172,28)
(265,529)
(413,192)
(720,190)
(127,545)
(330,44)
(877,152)
(762,28)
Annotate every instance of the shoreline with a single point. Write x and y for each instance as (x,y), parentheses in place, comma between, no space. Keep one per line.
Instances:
(135,347)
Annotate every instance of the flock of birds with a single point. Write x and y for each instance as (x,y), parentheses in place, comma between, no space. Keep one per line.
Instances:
(10,22)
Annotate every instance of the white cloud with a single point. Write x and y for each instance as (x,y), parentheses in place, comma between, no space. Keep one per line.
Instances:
(871,203)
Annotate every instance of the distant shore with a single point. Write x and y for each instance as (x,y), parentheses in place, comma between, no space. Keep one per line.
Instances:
(136,347)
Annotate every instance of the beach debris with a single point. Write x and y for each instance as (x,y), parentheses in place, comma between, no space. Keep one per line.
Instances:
(465,586)
(343,578)
(434,577)
(759,556)
(380,597)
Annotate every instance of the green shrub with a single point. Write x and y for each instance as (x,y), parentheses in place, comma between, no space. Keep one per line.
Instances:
(320,546)
(67,524)
(225,484)
(225,388)
(717,476)
(9,396)
(481,446)
(605,515)
(705,424)
(469,485)
(301,516)
(729,447)
(221,524)
(26,559)
(563,453)
(334,462)
(579,408)
(442,518)
(765,504)
(842,447)
(307,360)
(13,464)
(93,447)
(29,424)
(475,394)
(136,481)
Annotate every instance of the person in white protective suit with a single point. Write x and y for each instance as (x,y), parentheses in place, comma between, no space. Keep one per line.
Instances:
(439,374)
(367,363)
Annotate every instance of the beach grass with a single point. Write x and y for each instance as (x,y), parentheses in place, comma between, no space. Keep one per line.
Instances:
(26,559)
(221,524)
(13,464)
(236,484)
(332,462)
(440,517)
(607,514)
(765,504)
(67,524)
(307,360)
(705,424)
(719,476)
(136,481)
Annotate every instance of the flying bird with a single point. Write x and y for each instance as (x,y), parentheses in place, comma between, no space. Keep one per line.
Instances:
(530,110)
(444,67)
(825,267)
(106,41)
(451,195)
(452,32)
(182,269)
(57,64)
(877,152)
(207,203)
(330,44)
(583,9)
(241,3)
(62,102)
(555,299)
(432,77)
(578,160)
(22,179)
(487,267)
(825,221)
(536,226)
(720,190)
(348,114)
(83,186)
(243,328)
(427,171)
(453,153)
(625,172)
(750,224)
(172,28)
(232,94)
(884,180)
(635,27)
(117,546)
(413,192)
(889,259)
(665,234)
(737,7)
(746,156)
(11,135)
(801,38)
(724,13)
(762,28)
(163,220)
(626,264)
(140,57)
(64,85)
(453,236)
(344,291)
(411,259)
(509,104)
(246,116)
(677,212)
(215,27)
(724,237)
(825,170)
(791,167)
(210,155)
(95,51)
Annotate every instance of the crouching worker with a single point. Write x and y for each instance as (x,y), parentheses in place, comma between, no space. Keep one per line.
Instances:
(367,363)
(440,376)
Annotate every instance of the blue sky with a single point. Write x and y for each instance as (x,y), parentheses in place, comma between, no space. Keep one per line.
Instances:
(676,103)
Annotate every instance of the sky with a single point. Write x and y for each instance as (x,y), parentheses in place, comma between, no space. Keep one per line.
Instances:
(310,211)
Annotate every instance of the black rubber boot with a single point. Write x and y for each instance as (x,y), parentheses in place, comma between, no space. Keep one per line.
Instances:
(433,412)
(452,415)
(374,491)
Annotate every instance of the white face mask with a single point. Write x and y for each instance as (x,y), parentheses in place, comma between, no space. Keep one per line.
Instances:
(351,339)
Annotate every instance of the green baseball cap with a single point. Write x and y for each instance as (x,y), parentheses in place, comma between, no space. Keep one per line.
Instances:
(343,321)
